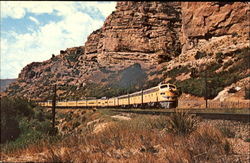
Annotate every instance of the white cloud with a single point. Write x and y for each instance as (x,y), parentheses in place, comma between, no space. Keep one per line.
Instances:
(40,43)
(107,8)
(12,9)
(18,9)
(34,20)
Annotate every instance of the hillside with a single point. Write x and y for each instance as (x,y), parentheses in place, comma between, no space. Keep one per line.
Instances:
(143,43)
(4,83)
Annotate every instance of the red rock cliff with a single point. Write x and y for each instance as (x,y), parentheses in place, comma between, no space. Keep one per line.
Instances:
(159,36)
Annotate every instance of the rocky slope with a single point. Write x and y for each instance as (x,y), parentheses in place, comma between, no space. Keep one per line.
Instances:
(143,43)
(4,83)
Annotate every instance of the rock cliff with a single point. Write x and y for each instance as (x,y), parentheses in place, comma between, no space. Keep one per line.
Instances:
(143,43)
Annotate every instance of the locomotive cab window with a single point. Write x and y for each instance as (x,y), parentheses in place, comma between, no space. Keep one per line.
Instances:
(172,86)
(164,86)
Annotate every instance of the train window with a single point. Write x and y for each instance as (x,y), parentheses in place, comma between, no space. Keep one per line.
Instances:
(172,86)
(163,93)
(164,86)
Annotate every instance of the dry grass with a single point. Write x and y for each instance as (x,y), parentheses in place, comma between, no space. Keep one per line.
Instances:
(143,139)
(140,141)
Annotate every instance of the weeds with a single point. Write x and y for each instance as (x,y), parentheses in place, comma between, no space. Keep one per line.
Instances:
(227,132)
(208,144)
(181,123)
(247,140)
(140,139)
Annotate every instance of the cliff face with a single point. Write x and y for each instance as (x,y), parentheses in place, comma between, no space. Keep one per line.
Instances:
(207,20)
(142,32)
(145,39)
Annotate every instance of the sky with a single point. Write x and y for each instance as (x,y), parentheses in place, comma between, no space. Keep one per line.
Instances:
(31,31)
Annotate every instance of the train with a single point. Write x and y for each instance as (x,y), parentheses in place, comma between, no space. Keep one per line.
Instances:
(164,95)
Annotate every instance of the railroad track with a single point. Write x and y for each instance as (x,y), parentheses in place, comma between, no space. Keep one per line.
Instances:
(222,116)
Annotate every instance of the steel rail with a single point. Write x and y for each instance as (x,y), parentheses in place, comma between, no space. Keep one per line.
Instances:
(221,116)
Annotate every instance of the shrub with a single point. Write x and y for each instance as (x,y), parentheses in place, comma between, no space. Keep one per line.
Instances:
(200,55)
(12,109)
(58,75)
(219,55)
(44,127)
(176,71)
(76,124)
(247,93)
(227,64)
(9,128)
(181,123)
(232,90)
(21,125)
(31,132)
(247,140)
(220,60)
(47,69)
(217,81)
(163,58)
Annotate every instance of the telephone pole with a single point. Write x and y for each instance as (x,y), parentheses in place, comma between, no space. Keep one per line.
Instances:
(206,86)
(54,107)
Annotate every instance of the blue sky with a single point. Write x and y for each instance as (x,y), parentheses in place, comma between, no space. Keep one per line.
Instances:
(31,31)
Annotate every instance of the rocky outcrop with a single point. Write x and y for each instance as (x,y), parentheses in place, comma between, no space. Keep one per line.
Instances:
(150,39)
(137,32)
(205,20)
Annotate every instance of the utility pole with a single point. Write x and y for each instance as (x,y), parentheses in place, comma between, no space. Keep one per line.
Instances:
(142,98)
(54,108)
(206,86)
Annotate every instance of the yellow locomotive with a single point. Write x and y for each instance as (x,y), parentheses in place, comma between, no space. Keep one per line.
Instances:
(165,95)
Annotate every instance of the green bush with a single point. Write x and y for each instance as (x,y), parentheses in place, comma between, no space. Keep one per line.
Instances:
(219,55)
(12,109)
(199,55)
(232,90)
(76,124)
(217,81)
(22,125)
(44,127)
(31,131)
(247,93)
(177,71)
(9,129)
(247,140)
